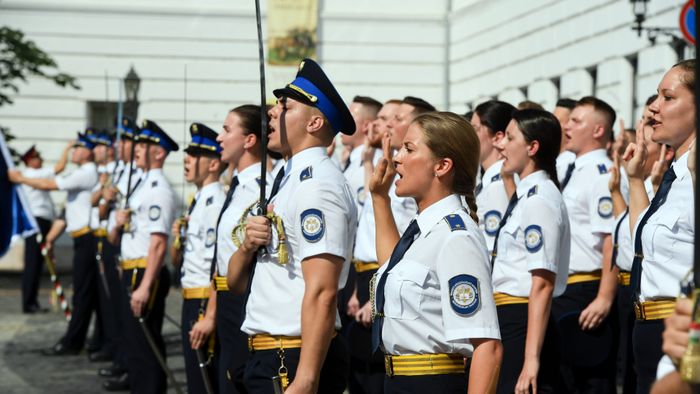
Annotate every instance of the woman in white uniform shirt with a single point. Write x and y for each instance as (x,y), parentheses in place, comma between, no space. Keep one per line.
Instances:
(663,229)
(532,267)
(433,299)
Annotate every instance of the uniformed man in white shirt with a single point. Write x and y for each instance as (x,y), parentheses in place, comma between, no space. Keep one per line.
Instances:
(490,120)
(42,208)
(240,149)
(586,312)
(291,312)
(126,177)
(203,167)
(78,184)
(150,215)
(562,111)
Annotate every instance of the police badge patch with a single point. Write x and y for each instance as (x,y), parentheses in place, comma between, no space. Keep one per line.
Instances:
(605,207)
(492,219)
(464,294)
(210,239)
(312,224)
(533,238)
(154,212)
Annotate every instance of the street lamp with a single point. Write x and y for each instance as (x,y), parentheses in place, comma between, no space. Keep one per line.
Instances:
(639,8)
(132,82)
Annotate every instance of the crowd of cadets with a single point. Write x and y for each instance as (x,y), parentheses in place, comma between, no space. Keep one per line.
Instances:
(501,251)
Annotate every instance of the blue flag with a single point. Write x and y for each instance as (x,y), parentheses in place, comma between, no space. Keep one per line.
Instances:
(15,218)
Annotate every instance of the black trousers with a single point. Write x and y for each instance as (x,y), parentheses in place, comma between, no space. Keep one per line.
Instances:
(195,381)
(233,343)
(263,365)
(33,264)
(627,377)
(647,351)
(146,376)
(588,357)
(512,320)
(366,369)
(444,384)
(108,297)
(84,291)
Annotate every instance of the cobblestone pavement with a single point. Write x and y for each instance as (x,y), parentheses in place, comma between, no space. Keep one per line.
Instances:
(23,369)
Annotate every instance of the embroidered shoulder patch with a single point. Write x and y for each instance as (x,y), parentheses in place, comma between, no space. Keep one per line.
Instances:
(210,200)
(492,219)
(312,224)
(361,196)
(305,174)
(605,207)
(532,191)
(533,238)
(455,222)
(602,169)
(211,238)
(495,177)
(154,212)
(464,294)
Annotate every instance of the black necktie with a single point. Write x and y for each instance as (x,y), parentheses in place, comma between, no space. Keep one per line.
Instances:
(347,164)
(569,172)
(479,187)
(658,200)
(276,184)
(404,243)
(616,237)
(227,202)
(511,204)
(191,207)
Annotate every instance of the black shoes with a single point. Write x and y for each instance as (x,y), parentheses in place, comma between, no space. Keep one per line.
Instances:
(60,349)
(100,356)
(30,310)
(111,371)
(120,383)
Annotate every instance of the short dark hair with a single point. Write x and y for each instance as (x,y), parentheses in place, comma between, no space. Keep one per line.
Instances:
(528,104)
(373,105)
(495,114)
(421,106)
(604,109)
(566,103)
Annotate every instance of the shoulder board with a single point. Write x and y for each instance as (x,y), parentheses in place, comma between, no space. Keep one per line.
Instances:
(495,177)
(455,222)
(154,183)
(307,173)
(532,191)
(602,169)
(210,200)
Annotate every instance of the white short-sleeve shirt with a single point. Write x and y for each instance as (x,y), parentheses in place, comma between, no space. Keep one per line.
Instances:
(79,185)
(152,211)
(355,175)
(40,203)
(320,217)
(440,295)
(590,209)
(246,194)
(536,236)
(201,236)
(622,238)
(491,202)
(563,160)
(668,238)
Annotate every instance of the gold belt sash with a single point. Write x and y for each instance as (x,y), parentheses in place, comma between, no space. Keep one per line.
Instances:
(134,263)
(195,293)
(654,310)
(584,277)
(423,364)
(269,342)
(220,283)
(363,266)
(100,232)
(80,232)
(507,299)
(623,278)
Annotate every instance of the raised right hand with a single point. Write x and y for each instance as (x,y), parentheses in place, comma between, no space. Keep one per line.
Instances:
(385,171)
(636,155)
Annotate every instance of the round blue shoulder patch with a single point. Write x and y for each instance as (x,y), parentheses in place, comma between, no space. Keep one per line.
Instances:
(154,212)
(605,207)
(464,294)
(312,224)
(211,238)
(492,219)
(533,238)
